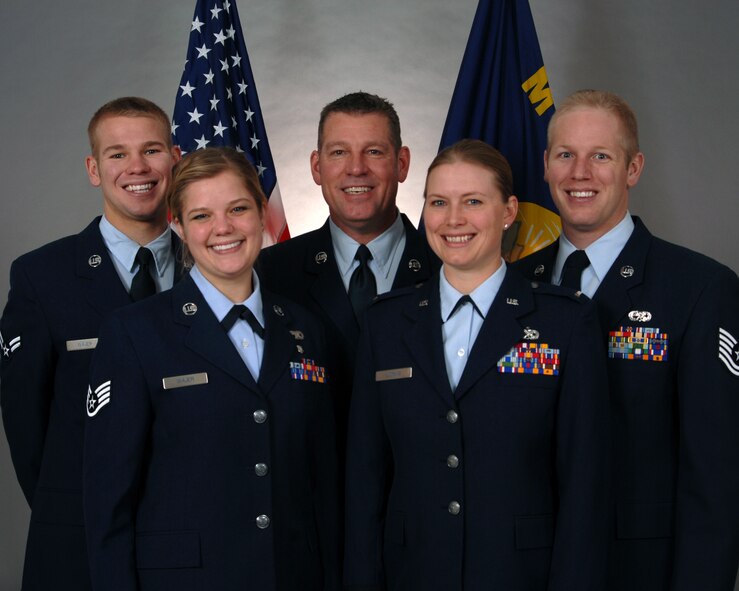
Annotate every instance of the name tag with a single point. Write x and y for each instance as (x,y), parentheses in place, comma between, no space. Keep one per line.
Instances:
(191,379)
(82,344)
(400,373)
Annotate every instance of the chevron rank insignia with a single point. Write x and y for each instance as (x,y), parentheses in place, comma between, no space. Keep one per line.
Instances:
(10,346)
(640,342)
(728,351)
(533,358)
(98,398)
(306,370)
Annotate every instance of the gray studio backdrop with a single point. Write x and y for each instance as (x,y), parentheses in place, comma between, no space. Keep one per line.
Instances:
(676,61)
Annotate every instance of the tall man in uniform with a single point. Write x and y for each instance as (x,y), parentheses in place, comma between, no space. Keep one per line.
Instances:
(366,246)
(671,318)
(59,294)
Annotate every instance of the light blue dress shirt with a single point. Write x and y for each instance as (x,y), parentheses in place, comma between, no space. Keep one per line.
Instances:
(459,331)
(601,254)
(387,250)
(249,346)
(123,252)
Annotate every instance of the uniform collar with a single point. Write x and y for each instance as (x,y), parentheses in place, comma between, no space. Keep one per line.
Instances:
(220,304)
(382,248)
(482,296)
(124,250)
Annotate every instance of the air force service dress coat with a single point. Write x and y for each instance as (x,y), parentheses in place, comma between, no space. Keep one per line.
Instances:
(58,297)
(675,414)
(195,476)
(304,269)
(500,484)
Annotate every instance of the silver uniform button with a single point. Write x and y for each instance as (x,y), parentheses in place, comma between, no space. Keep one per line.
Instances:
(452,461)
(261,469)
(452,416)
(260,416)
(262,522)
(454,508)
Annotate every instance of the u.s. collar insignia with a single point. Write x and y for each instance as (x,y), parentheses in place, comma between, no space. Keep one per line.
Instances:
(414,265)
(95,260)
(189,309)
(97,399)
(423,303)
(297,335)
(511,301)
(10,346)
(530,334)
(321,257)
(728,350)
(278,310)
(627,271)
(640,316)
(539,271)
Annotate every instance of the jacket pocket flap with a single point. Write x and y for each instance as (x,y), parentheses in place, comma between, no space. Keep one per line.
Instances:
(534,531)
(180,549)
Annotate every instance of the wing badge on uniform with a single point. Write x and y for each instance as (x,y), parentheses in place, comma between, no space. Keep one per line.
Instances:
(98,398)
(728,351)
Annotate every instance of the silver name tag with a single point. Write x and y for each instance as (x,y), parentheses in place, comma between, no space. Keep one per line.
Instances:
(401,373)
(191,379)
(82,344)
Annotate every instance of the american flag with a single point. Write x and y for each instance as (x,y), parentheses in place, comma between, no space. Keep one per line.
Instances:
(217,102)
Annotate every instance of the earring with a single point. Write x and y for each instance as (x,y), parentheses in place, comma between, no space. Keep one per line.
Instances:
(505,227)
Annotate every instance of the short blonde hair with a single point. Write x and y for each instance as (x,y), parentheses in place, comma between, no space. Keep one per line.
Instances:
(607,101)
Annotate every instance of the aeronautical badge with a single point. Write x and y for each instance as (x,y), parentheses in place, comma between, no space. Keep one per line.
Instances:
(530,334)
(640,316)
(640,342)
(728,351)
(306,370)
(297,335)
(10,346)
(532,358)
(98,398)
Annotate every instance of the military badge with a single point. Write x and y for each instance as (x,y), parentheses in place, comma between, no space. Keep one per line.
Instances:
(98,398)
(728,351)
(10,346)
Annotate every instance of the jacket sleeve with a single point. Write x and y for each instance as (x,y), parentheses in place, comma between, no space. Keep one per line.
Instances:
(707,512)
(367,478)
(581,463)
(26,378)
(116,449)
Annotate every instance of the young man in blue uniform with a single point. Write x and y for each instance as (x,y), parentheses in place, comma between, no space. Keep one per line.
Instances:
(673,357)
(58,296)
(366,246)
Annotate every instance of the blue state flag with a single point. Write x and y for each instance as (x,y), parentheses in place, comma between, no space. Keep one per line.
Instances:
(217,102)
(502,97)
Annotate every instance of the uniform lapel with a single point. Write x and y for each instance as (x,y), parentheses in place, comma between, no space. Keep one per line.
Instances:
(93,263)
(615,295)
(327,289)
(279,344)
(205,335)
(424,340)
(500,331)
(417,263)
